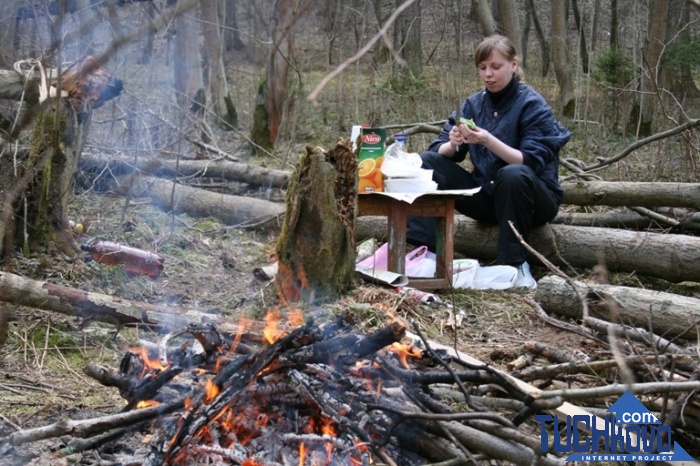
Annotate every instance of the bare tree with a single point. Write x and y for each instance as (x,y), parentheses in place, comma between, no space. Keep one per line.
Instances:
(274,93)
(567,102)
(189,82)
(482,8)
(217,93)
(407,33)
(677,71)
(656,37)
(541,37)
(614,25)
(333,19)
(583,48)
(231,34)
(510,22)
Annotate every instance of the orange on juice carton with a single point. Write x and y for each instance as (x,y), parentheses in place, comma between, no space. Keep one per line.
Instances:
(369,161)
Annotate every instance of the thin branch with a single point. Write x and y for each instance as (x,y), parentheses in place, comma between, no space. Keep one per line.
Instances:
(89,427)
(317,90)
(642,142)
(619,389)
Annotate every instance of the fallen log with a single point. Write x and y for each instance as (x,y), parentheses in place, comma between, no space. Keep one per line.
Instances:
(253,175)
(627,219)
(632,193)
(591,367)
(662,313)
(90,306)
(89,427)
(231,210)
(672,257)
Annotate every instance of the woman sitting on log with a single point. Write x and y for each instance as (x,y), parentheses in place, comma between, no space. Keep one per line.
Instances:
(513,142)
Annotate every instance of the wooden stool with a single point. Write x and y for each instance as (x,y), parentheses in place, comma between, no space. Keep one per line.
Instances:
(440,206)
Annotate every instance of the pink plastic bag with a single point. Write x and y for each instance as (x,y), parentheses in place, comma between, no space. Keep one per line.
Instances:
(380,259)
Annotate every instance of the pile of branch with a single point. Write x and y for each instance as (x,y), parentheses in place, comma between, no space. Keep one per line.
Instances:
(327,393)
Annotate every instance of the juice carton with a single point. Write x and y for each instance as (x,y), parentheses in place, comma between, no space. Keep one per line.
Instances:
(370,158)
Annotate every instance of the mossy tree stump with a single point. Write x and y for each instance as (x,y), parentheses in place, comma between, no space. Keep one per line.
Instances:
(33,213)
(316,248)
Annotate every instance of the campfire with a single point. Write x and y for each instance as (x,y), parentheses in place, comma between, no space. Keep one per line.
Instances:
(313,395)
(295,393)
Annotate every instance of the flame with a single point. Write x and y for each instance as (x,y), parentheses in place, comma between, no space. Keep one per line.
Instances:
(211,390)
(291,283)
(242,326)
(403,352)
(302,454)
(362,447)
(149,363)
(271,332)
(146,403)
(328,428)
(296,317)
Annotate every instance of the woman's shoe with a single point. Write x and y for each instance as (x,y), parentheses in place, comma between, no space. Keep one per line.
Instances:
(524,279)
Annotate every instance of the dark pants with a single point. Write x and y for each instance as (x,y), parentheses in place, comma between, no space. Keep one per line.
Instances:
(518,195)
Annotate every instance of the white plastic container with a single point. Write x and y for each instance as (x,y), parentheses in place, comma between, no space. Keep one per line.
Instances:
(409,185)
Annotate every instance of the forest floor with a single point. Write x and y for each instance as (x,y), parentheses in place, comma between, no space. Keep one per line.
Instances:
(208,266)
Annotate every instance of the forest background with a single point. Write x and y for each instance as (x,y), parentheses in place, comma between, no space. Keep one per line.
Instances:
(614,71)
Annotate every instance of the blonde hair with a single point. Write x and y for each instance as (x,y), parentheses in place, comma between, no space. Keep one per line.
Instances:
(497,43)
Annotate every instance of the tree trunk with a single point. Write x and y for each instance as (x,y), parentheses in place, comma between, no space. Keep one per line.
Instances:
(566,99)
(678,75)
(510,22)
(232,36)
(274,98)
(614,25)
(594,27)
(541,37)
(407,32)
(187,67)
(621,193)
(583,48)
(217,87)
(230,210)
(483,12)
(316,248)
(651,71)
(675,258)
(662,313)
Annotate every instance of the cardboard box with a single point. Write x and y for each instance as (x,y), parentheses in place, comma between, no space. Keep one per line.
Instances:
(369,161)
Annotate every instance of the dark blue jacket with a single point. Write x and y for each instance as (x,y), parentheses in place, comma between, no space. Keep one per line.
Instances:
(523,120)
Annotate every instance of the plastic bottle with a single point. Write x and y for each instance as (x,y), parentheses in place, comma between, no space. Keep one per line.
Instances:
(135,261)
(402,140)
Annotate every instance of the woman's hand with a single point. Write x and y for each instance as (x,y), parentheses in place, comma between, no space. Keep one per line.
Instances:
(463,134)
(456,137)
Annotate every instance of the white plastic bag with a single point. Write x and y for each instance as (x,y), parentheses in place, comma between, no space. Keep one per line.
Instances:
(464,272)
(467,273)
(400,164)
(380,259)
(495,277)
(423,268)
